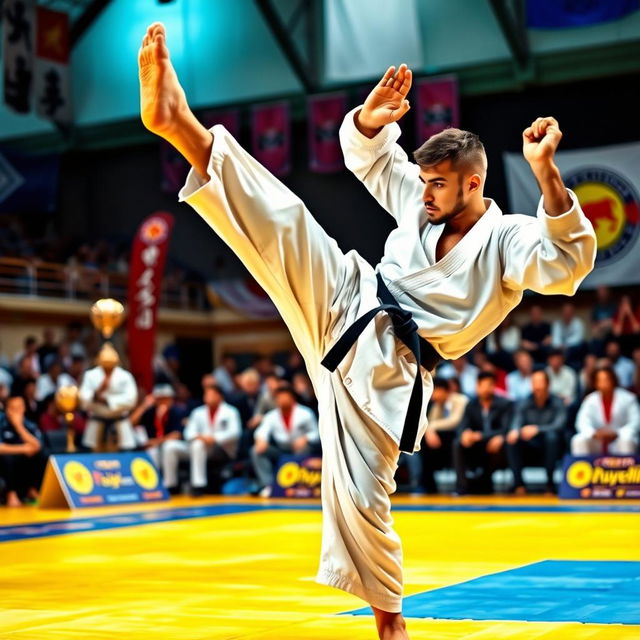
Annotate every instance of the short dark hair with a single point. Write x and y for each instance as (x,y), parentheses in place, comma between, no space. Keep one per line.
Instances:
(487,375)
(543,372)
(463,148)
(610,371)
(440,383)
(556,351)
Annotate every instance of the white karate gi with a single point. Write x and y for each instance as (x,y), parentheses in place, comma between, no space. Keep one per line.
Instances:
(226,428)
(320,291)
(121,397)
(625,420)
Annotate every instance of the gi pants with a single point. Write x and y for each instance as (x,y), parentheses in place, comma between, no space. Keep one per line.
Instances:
(316,287)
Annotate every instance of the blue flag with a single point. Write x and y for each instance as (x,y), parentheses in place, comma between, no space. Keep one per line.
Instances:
(557,14)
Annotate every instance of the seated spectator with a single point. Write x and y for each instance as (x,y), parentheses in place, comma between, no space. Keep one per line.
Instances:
(77,367)
(602,317)
(294,365)
(250,384)
(266,401)
(47,348)
(108,393)
(503,343)
(158,420)
(537,426)
(563,381)
(445,414)
(28,359)
(586,374)
(519,380)
(481,360)
(53,379)
(567,332)
(622,365)
(608,419)
(301,384)
(22,458)
(481,434)
(28,393)
(464,371)
(6,379)
(536,335)
(626,325)
(212,432)
(225,375)
(636,376)
(291,428)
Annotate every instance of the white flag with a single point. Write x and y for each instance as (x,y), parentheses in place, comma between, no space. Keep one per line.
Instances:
(18,46)
(607,183)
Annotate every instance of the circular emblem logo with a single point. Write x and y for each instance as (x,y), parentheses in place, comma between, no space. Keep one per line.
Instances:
(288,475)
(78,477)
(144,474)
(154,231)
(612,204)
(579,474)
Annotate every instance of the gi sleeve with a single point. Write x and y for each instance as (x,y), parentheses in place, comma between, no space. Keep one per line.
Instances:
(548,254)
(232,428)
(631,428)
(383,167)
(587,422)
(263,432)
(125,396)
(193,428)
(311,426)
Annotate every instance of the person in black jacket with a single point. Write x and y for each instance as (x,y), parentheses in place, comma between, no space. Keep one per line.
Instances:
(481,434)
(537,426)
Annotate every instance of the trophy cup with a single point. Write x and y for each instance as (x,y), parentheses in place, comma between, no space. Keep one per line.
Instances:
(67,402)
(107,315)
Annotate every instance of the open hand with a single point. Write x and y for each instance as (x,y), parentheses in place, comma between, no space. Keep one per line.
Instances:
(387,102)
(540,141)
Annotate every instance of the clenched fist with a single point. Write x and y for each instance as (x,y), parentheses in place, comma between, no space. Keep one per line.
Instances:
(540,141)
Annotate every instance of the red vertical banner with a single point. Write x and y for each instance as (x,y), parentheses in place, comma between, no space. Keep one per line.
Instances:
(271,136)
(52,81)
(174,167)
(148,258)
(324,116)
(437,106)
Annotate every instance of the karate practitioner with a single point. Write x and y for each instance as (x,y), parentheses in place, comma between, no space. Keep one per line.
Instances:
(454,264)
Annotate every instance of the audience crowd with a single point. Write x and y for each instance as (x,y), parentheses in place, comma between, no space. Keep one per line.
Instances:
(524,397)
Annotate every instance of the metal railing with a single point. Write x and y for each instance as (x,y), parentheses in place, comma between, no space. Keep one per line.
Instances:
(37,279)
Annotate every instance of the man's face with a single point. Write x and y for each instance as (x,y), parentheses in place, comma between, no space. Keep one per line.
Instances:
(284,401)
(523,362)
(603,382)
(612,350)
(444,192)
(539,384)
(439,395)
(211,397)
(536,314)
(15,406)
(486,388)
(556,361)
(568,312)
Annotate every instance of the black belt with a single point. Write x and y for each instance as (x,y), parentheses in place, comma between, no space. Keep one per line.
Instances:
(406,331)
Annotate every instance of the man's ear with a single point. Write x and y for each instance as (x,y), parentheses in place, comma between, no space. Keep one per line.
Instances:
(475,182)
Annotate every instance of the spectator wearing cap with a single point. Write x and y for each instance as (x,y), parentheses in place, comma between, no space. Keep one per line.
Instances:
(157,420)
(212,433)
(22,459)
(290,428)
(608,418)
(53,379)
(563,380)
(537,427)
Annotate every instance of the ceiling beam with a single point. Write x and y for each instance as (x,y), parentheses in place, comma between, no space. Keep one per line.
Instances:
(279,30)
(88,17)
(510,15)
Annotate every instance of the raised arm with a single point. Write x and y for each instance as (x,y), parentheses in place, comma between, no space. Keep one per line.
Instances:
(368,138)
(554,253)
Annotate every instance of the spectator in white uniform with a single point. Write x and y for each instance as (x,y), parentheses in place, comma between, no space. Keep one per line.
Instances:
(609,418)
(290,428)
(212,433)
(108,393)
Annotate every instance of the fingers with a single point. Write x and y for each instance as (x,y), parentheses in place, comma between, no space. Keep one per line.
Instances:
(385,78)
(540,127)
(400,111)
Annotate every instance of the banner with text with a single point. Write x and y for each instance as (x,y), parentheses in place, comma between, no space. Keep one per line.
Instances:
(600,477)
(148,258)
(96,480)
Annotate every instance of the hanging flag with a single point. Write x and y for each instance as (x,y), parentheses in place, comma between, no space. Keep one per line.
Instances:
(148,258)
(436,106)
(52,86)
(28,183)
(606,180)
(558,14)
(18,45)
(324,117)
(174,166)
(271,136)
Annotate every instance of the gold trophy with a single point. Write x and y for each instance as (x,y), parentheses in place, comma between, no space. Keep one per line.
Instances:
(107,315)
(67,402)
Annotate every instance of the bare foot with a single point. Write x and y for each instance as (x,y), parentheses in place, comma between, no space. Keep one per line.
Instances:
(162,100)
(13,500)
(391,626)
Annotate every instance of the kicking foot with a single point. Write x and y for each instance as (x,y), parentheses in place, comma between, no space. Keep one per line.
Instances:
(391,626)
(162,100)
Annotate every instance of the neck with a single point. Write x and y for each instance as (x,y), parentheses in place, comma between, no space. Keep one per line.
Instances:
(461,223)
